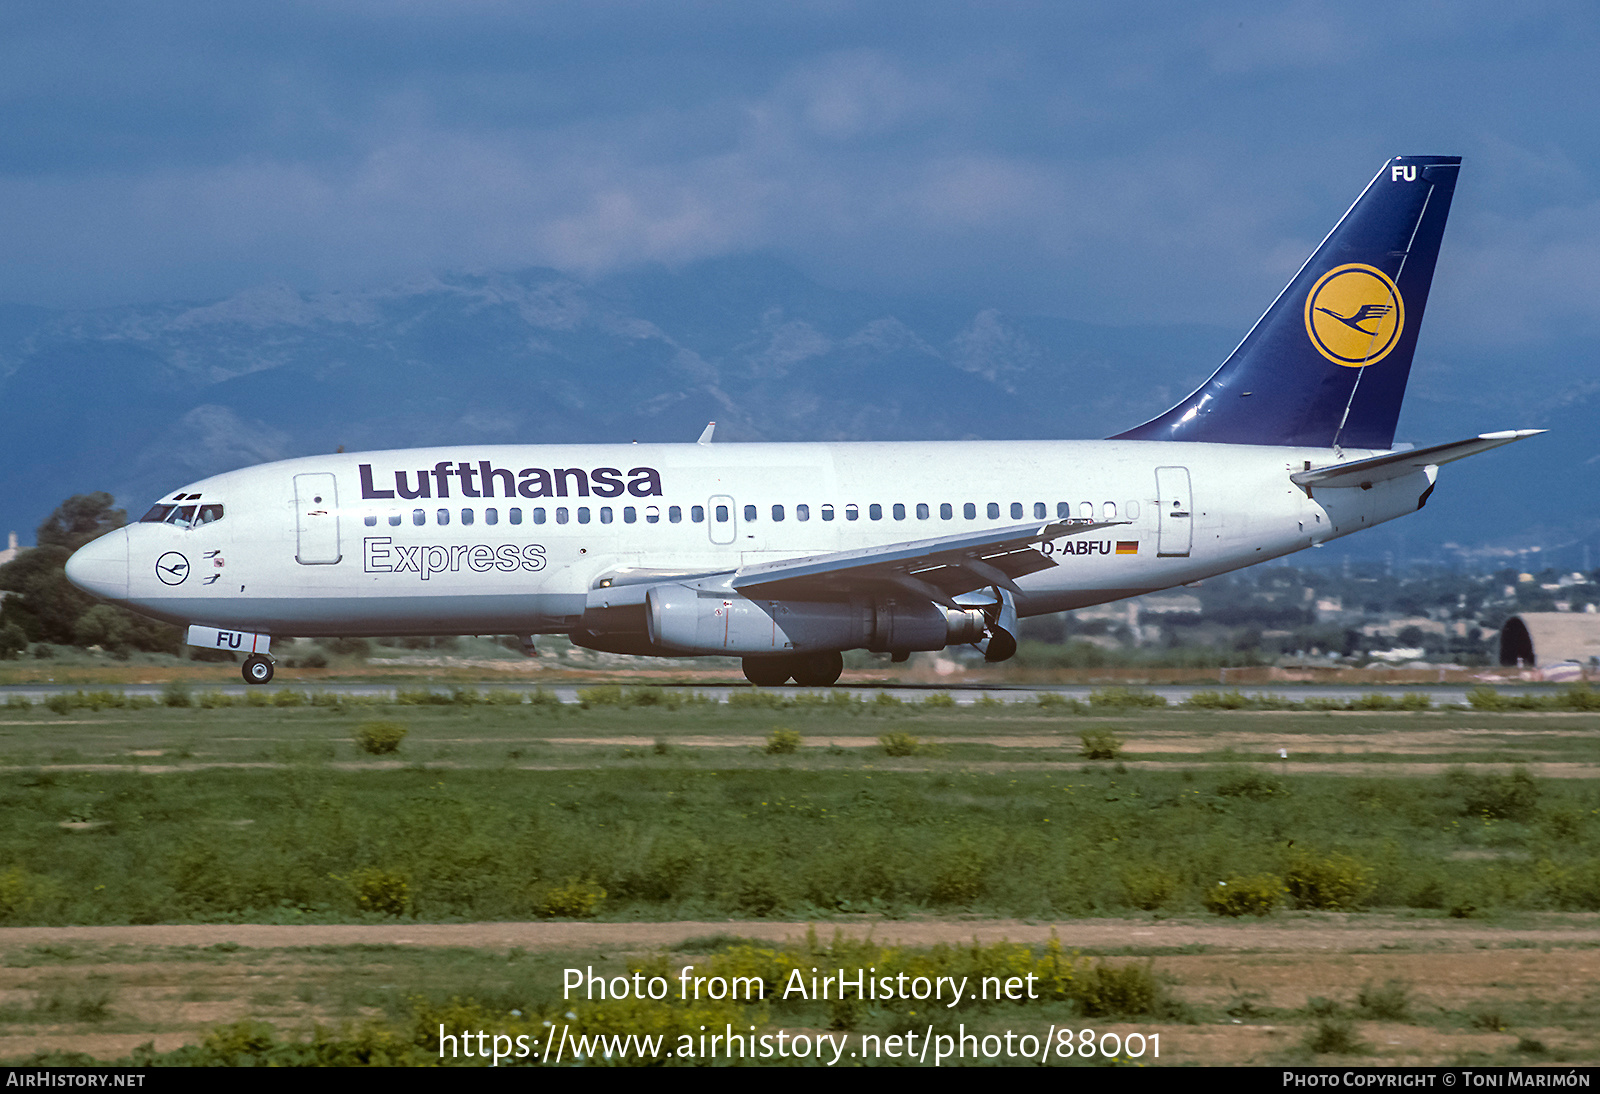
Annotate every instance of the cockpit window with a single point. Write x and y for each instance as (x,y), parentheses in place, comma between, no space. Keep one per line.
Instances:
(184,516)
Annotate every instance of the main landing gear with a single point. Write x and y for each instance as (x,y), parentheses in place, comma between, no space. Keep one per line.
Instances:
(809,670)
(258,669)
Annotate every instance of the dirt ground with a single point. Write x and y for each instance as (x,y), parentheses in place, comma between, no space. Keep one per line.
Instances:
(1474,992)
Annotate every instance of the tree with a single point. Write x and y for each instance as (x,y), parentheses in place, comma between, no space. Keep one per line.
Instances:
(79,519)
(46,607)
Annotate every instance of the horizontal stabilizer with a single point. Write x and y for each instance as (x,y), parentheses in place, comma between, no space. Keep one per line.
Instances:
(1396,464)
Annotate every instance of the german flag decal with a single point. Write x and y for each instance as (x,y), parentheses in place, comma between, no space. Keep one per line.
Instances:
(1127,546)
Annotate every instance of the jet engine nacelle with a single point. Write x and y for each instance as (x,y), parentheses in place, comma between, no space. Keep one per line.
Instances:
(698,621)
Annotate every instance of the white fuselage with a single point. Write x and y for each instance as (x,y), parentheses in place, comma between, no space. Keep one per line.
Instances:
(314,546)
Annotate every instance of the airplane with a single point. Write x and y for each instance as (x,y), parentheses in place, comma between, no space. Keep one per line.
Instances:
(788,554)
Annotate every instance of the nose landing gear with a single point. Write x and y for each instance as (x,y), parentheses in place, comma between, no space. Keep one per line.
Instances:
(258,669)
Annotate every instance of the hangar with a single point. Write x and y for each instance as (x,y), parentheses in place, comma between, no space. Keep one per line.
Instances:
(1547,638)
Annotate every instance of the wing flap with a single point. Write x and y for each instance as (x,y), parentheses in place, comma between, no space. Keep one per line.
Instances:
(948,564)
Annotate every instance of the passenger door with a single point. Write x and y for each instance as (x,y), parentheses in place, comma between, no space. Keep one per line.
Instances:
(1175,525)
(316,500)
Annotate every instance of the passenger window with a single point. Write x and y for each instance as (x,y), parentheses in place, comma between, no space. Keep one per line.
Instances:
(538,515)
(970,511)
(875,511)
(777,512)
(675,514)
(994,510)
(802,512)
(1063,510)
(827,512)
(1132,510)
(562,516)
(922,510)
(652,514)
(443,516)
(749,513)
(419,517)
(945,511)
(1016,510)
(605,514)
(1039,511)
(583,514)
(851,512)
(1086,510)
(1110,510)
(697,513)
(722,514)
(630,515)
(394,520)
(899,511)
(515,515)
(370,520)
(466,516)
(491,516)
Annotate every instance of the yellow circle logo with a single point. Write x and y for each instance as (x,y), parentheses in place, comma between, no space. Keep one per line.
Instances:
(1354,315)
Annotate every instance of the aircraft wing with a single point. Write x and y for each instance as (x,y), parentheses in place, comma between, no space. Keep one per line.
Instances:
(940,569)
(1395,464)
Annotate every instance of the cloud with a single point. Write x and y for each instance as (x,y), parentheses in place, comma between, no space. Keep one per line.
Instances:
(1176,163)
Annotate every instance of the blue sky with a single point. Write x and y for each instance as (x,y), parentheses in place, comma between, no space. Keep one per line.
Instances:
(1149,162)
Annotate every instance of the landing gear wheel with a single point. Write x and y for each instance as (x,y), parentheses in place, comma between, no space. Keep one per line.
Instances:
(768,672)
(819,670)
(257,669)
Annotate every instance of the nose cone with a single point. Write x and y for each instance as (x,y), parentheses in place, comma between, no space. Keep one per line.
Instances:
(100,568)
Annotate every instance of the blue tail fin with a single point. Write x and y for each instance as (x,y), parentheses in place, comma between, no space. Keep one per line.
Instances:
(1327,365)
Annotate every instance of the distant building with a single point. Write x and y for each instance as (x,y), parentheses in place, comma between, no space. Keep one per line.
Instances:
(11,551)
(1535,639)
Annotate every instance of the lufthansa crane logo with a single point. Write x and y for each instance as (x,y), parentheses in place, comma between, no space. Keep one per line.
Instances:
(172,568)
(1354,315)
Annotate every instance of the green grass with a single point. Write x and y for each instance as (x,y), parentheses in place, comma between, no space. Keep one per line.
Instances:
(497,809)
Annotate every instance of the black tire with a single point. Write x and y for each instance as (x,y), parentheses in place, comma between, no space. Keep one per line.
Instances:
(819,670)
(768,672)
(257,669)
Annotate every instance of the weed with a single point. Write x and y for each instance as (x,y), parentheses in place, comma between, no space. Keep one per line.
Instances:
(1513,797)
(380,738)
(1334,1036)
(1238,896)
(1149,887)
(1122,990)
(782,742)
(899,744)
(1099,744)
(756,699)
(939,700)
(578,898)
(1334,883)
(1390,1003)
(1252,784)
(1120,698)
(387,892)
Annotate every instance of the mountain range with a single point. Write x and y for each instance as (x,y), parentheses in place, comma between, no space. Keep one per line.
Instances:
(140,399)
